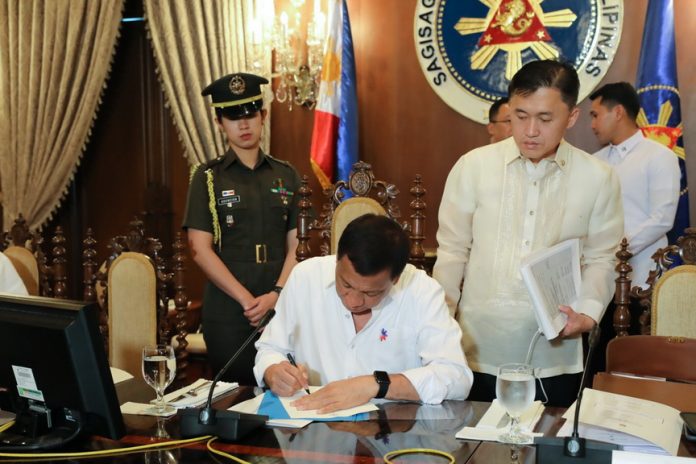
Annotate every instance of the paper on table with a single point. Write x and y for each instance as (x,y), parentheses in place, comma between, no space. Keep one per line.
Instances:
(252,407)
(295,413)
(487,427)
(626,457)
(119,375)
(201,395)
(143,409)
(656,423)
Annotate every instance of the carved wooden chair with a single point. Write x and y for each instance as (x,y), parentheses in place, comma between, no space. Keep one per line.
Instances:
(24,250)
(367,195)
(635,362)
(669,301)
(133,289)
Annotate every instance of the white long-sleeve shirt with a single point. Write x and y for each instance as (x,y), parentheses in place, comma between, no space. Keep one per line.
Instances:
(498,207)
(410,332)
(649,175)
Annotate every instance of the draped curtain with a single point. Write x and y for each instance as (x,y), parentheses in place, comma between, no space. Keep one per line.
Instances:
(54,59)
(196,42)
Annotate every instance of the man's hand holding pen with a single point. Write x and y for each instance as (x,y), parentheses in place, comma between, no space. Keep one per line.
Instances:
(285,379)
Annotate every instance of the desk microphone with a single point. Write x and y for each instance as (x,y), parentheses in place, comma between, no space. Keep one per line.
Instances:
(226,425)
(572,449)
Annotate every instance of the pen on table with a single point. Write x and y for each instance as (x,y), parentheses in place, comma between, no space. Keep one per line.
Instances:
(291,358)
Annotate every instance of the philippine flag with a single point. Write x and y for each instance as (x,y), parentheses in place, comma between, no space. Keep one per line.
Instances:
(335,135)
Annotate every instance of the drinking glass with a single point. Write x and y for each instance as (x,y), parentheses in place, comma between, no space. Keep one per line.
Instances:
(515,390)
(159,368)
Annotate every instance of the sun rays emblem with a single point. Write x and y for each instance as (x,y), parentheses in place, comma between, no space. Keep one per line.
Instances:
(514,26)
(469,50)
(660,131)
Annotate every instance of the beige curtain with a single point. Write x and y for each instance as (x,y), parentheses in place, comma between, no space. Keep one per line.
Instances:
(54,59)
(196,42)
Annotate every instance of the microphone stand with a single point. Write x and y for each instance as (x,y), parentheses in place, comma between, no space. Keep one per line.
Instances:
(226,425)
(572,449)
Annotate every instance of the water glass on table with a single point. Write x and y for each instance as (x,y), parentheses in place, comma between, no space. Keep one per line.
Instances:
(159,369)
(515,390)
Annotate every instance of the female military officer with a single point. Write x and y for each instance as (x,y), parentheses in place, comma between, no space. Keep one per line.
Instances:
(241,217)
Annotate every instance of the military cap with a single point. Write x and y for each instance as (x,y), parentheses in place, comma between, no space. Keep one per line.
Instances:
(237,95)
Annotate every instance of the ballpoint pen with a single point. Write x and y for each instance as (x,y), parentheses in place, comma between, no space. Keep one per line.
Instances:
(291,358)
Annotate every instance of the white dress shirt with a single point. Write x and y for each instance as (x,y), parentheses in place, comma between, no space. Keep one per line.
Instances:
(649,175)
(498,207)
(410,332)
(10,281)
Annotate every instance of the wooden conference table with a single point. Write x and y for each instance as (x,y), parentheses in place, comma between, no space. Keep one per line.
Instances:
(396,426)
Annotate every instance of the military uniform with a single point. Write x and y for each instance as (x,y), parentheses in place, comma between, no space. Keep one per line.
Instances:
(255,209)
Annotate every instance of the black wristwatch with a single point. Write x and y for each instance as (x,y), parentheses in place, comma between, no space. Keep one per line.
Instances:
(382,379)
(277,289)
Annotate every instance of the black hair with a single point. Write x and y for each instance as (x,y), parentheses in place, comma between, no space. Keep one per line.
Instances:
(619,93)
(495,107)
(374,243)
(547,74)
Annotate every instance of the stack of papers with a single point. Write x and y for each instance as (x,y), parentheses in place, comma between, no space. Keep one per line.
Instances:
(635,424)
(494,423)
(196,394)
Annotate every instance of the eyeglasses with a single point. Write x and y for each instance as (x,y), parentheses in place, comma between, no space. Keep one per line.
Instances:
(504,121)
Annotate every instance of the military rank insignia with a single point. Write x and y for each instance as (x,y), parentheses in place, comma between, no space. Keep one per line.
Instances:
(280,190)
(469,50)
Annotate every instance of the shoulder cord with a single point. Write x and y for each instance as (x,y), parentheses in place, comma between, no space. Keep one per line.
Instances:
(217,232)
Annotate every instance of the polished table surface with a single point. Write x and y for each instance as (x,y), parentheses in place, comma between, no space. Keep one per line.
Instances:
(396,426)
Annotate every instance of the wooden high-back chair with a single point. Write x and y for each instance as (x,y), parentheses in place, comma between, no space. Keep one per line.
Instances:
(651,357)
(365,195)
(133,289)
(24,249)
(668,302)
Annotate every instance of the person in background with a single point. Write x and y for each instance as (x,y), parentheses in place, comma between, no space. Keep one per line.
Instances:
(506,200)
(499,127)
(241,218)
(648,172)
(365,324)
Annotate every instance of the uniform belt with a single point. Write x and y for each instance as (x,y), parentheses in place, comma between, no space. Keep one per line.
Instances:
(259,253)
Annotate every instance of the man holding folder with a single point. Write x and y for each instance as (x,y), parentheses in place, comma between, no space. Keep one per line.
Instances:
(365,324)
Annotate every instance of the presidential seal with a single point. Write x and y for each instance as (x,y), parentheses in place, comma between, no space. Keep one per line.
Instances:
(469,50)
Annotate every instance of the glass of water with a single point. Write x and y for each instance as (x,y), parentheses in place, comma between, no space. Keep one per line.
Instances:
(515,390)
(159,368)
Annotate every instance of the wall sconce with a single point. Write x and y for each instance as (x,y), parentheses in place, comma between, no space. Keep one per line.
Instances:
(298,52)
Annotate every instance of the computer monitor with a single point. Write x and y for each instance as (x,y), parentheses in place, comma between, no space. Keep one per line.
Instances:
(54,368)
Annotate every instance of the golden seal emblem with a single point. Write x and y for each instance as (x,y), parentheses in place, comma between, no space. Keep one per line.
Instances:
(237,85)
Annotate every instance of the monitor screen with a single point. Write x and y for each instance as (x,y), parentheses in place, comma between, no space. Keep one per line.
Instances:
(53,360)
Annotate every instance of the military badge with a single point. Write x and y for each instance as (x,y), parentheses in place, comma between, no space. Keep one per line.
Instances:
(469,50)
(285,194)
(237,85)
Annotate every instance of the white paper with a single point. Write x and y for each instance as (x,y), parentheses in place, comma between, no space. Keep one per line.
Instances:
(252,407)
(201,394)
(627,457)
(653,422)
(294,413)
(488,428)
(552,277)
(143,409)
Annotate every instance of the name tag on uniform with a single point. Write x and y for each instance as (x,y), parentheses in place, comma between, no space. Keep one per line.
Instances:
(229,201)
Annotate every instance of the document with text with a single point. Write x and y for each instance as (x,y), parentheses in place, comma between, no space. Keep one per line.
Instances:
(634,423)
(552,278)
